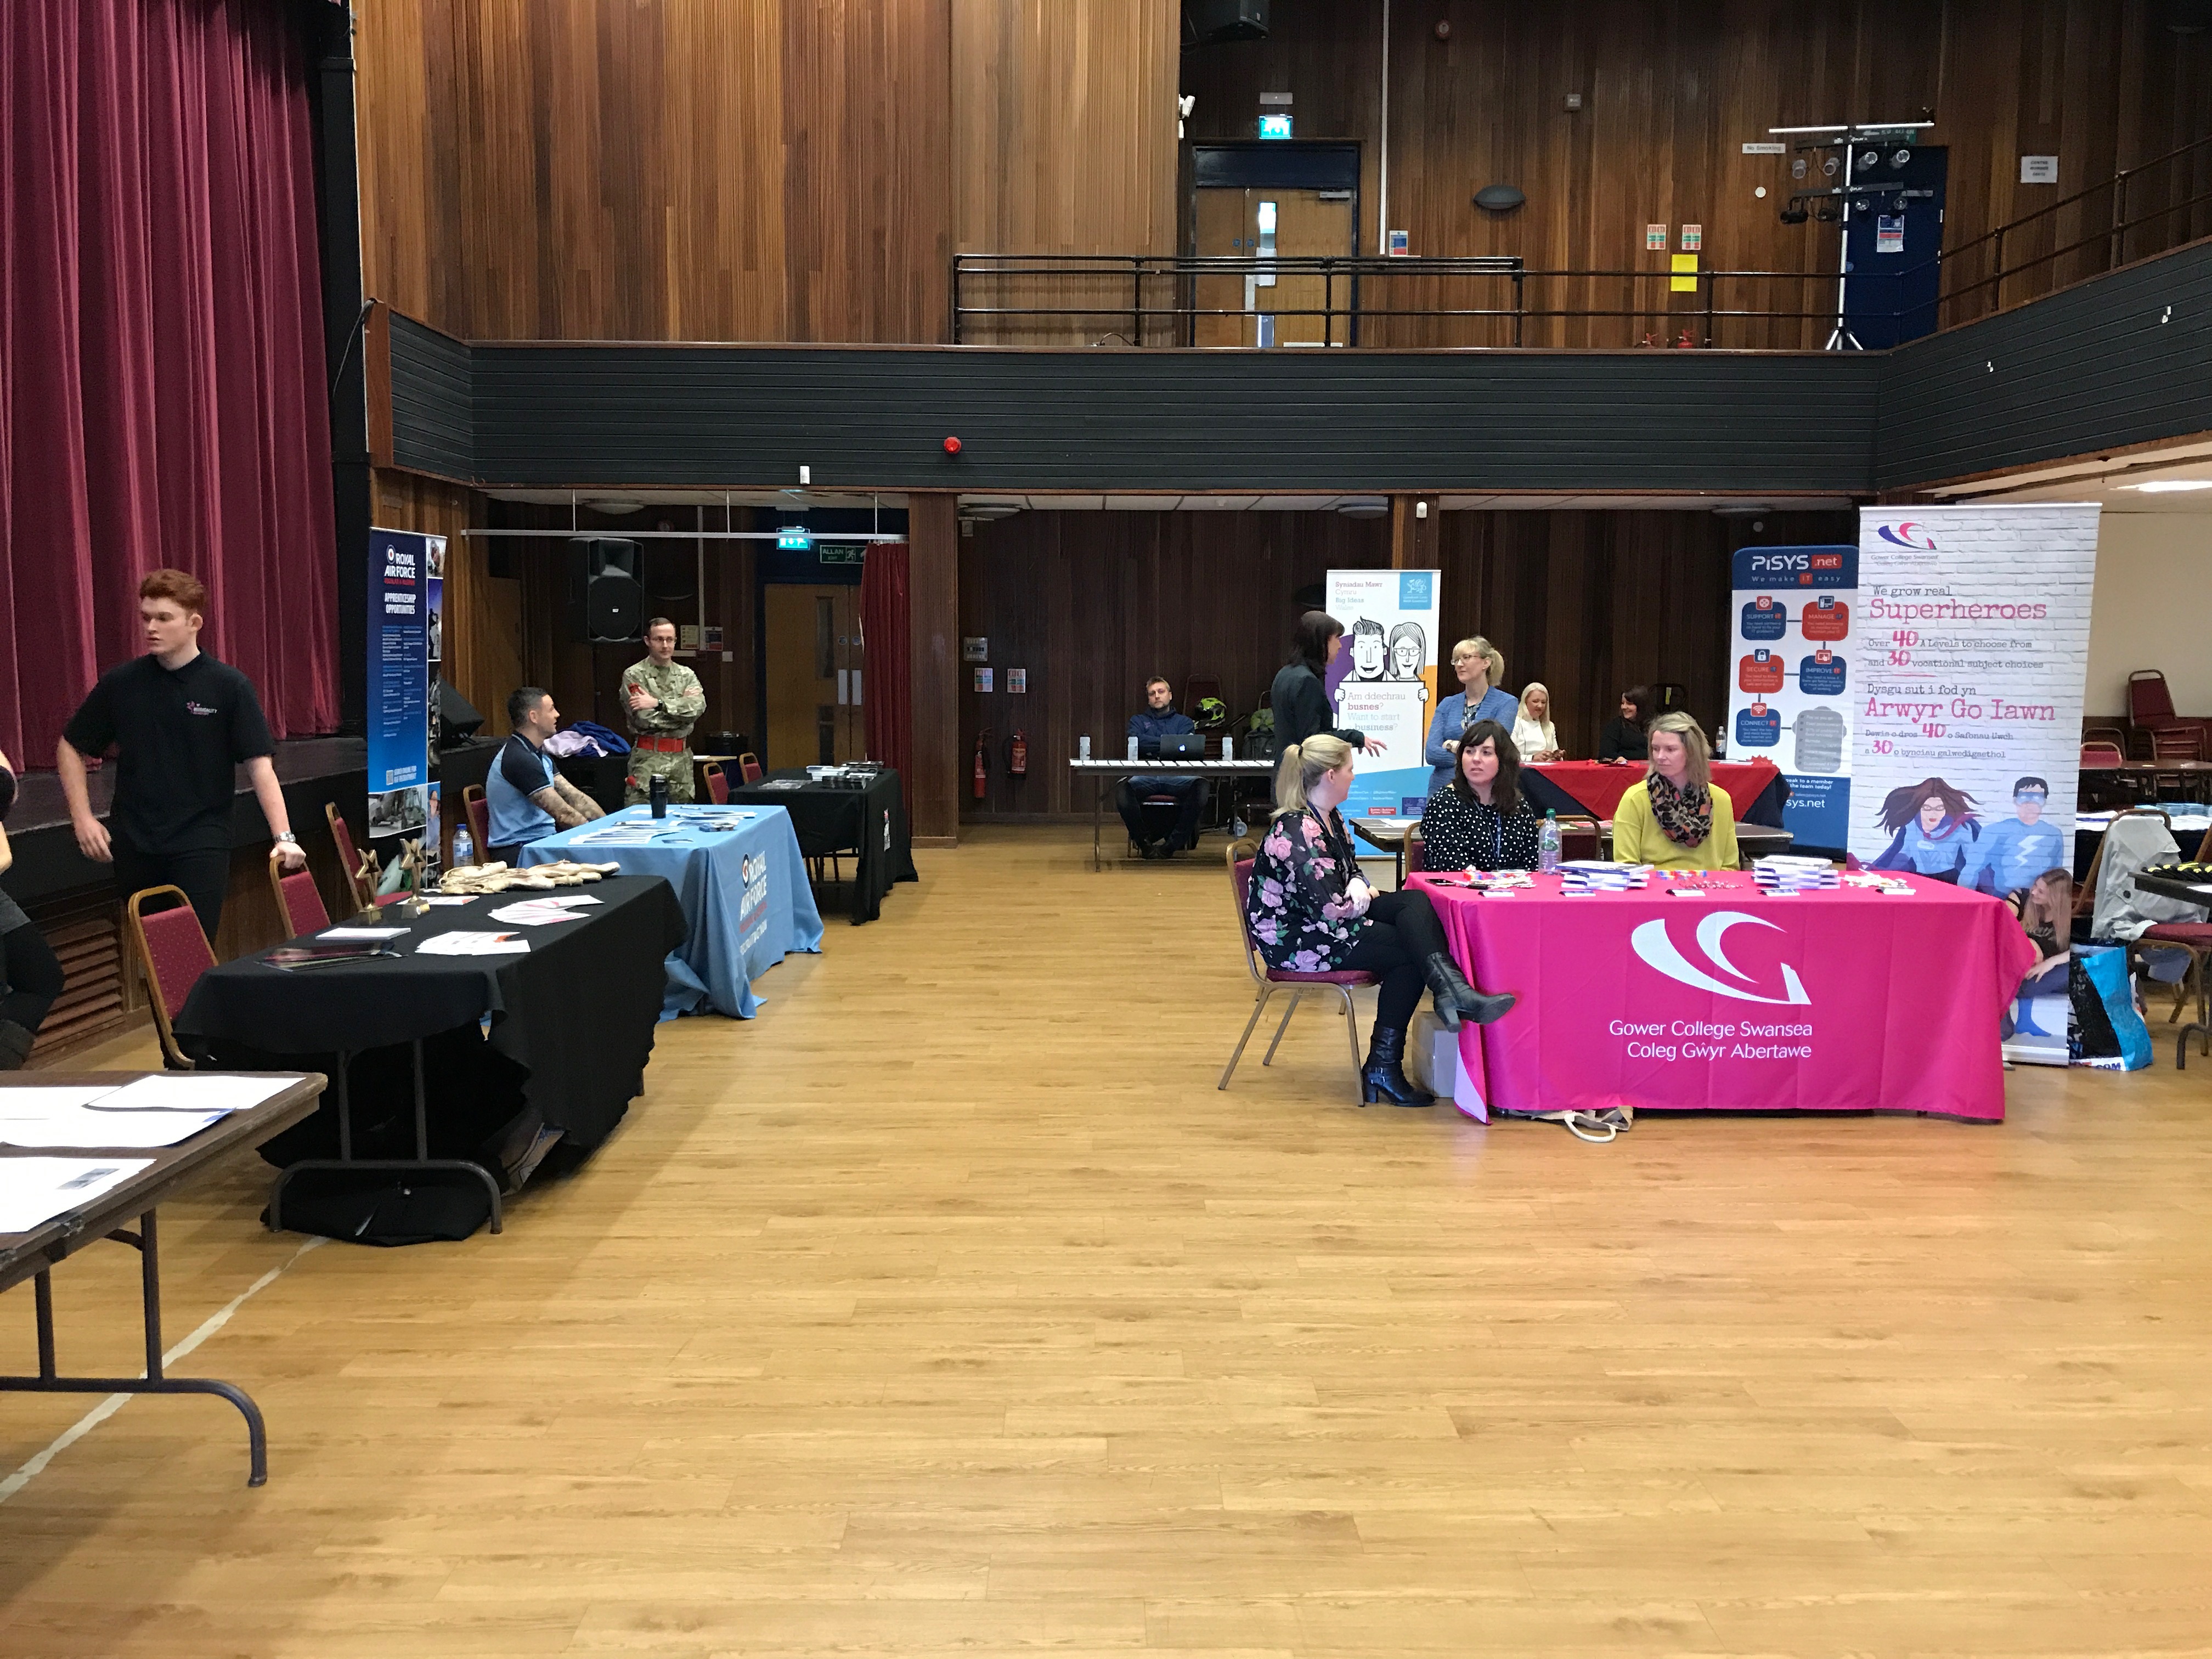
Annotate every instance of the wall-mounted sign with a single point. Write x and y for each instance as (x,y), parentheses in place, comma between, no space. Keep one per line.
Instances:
(1400,244)
(2039,169)
(1275,126)
(1693,238)
(1685,279)
(1017,681)
(1655,238)
(982,679)
(974,650)
(1766,150)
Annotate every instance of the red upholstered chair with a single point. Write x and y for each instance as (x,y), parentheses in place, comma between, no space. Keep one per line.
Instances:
(477,811)
(298,900)
(173,953)
(2105,759)
(717,783)
(1268,981)
(749,768)
(1417,853)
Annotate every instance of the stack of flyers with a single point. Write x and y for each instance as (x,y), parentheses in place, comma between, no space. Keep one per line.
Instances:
(1879,882)
(1785,873)
(1596,876)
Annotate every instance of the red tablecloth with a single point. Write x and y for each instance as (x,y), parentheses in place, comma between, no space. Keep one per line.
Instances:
(1847,1000)
(1599,786)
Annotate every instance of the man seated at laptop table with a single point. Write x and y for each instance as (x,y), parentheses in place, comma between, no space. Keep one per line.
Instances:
(1159,719)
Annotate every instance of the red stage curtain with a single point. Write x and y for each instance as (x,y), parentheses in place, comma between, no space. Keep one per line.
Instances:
(162,393)
(887,682)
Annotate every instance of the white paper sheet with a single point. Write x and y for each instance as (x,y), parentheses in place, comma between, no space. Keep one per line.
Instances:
(448,902)
(79,1126)
(472,945)
(45,1097)
(534,912)
(185,1093)
(34,1190)
(361,932)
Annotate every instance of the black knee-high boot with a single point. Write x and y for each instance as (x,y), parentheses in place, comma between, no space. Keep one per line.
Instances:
(1454,997)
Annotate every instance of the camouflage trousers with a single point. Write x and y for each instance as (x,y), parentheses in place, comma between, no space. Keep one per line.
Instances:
(647,763)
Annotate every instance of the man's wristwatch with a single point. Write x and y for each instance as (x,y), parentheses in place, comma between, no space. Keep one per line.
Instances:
(286,835)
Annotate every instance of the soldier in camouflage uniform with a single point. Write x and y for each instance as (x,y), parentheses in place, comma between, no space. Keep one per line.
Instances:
(664,701)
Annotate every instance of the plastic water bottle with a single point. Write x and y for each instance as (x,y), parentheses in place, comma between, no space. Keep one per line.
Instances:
(465,848)
(1228,748)
(1547,843)
(1133,749)
(1083,747)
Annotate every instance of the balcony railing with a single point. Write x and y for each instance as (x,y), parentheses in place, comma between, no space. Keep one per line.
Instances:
(1180,299)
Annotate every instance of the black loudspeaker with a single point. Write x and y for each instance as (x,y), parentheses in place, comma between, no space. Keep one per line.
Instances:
(1215,22)
(607,601)
(458,719)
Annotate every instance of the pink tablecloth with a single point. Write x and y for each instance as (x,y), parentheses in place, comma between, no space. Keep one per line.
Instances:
(1839,1001)
(1599,786)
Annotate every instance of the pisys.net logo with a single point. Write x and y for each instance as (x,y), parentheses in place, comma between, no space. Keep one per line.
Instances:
(1907,533)
(1654,944)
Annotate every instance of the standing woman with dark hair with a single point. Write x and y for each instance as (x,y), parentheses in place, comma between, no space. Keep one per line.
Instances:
(1479,820)
(1312,912)
(1299,696)
(31,975)
(1627,735)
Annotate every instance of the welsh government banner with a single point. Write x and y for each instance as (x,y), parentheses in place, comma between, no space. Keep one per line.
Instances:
(1790,679)
(1383,683)
(405,642)
(1967,752)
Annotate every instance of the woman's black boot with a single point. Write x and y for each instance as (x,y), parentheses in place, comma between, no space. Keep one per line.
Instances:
(1455,998)
(1383,1077)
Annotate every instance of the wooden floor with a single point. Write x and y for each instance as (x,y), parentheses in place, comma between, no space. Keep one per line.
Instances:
(948,1309)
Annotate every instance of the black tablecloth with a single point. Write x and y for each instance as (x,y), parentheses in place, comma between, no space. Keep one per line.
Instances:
(870,823)
(576,1012)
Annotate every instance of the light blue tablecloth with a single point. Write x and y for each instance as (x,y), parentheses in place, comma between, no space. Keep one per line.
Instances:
(745,892)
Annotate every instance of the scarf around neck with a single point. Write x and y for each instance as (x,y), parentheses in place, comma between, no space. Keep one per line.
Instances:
(1685,816)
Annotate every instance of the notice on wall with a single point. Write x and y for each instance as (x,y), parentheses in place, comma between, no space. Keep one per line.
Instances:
(406,646)
(1968,742)
(1791,658)
(1383,683)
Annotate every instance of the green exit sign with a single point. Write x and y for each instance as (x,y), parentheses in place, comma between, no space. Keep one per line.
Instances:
(840,555)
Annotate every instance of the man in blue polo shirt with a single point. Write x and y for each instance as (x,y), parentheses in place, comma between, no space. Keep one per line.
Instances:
(2010,855)
(528,798)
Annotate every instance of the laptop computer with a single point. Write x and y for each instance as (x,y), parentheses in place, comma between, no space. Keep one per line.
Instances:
(1187,746)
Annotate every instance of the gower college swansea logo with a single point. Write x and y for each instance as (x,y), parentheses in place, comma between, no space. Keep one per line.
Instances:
(1906,533)
(1653,944)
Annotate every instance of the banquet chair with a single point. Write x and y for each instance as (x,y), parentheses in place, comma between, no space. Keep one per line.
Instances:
(1417,853)
(173,953)
(2170,744)
(717,783)
(298,900)
(477,811)
(351,859)
(1579,838)
(1268,981)
(749,768)
(2105,757)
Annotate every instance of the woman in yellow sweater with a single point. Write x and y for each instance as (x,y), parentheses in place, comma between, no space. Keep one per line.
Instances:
(1675,818)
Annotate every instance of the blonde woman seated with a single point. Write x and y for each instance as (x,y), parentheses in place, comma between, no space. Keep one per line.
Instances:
(1533,732)
(1312,912)
(1479,820)
(1675,818)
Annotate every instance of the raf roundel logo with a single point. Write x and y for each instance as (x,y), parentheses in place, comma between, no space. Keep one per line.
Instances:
(1907,533)
(1658,948)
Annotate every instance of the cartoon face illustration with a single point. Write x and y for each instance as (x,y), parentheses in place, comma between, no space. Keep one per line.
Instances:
(1409,649)
(1368,653)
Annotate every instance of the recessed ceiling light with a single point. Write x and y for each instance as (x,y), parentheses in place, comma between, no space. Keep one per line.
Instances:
(2163,486)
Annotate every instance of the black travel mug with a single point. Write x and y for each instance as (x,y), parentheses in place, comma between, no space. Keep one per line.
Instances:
(656,791)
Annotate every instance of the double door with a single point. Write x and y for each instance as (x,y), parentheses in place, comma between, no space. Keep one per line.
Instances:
(1273,222)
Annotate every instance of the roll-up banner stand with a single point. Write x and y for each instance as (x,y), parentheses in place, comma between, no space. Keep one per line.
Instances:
(406,641)
(1967,748)
(1792,660)
(1383,684)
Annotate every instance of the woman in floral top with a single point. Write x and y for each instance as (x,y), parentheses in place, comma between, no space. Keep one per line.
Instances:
(1312,912)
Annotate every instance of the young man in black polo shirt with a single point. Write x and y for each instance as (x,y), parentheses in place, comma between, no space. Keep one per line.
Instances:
(180,722)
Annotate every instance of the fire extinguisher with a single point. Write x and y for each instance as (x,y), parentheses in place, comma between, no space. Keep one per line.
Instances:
(1017,756)
(982,768)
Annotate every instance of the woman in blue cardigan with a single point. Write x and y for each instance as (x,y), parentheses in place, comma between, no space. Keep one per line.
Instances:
(1480,666)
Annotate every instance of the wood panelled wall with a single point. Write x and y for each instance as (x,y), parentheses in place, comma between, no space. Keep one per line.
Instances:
(1672,88)
(759,170)
(1092,603)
